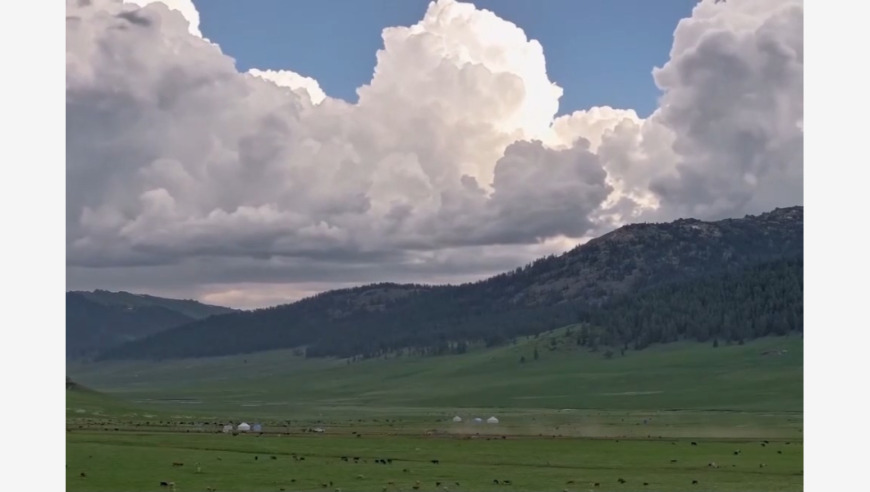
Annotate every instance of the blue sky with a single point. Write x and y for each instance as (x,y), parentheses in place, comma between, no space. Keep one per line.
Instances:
(601,52)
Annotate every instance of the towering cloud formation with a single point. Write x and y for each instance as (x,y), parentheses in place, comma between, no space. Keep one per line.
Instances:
(174,158)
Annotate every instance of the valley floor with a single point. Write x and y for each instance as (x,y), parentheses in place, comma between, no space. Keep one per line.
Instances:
(113,461)
(568,420)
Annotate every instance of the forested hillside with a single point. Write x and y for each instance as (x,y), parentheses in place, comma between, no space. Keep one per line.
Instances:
(640,284)
(761,300)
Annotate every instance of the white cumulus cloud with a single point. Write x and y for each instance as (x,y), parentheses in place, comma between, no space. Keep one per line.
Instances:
(179,162)
(184,7)
(296,82)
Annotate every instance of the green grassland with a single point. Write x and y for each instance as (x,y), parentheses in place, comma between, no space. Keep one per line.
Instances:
(122,461)
(569,416)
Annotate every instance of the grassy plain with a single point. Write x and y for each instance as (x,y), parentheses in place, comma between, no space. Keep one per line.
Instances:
(568,420)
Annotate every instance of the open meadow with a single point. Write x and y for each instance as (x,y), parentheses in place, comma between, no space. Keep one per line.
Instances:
(675,417)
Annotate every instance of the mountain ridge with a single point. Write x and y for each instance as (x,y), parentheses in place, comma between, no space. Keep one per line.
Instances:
(553,291)
(98,320)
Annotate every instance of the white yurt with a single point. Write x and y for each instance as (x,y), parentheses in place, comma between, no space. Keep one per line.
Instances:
(228,428)
(243,427)
(457,419)
(478,420)
(492,420)
(257,428)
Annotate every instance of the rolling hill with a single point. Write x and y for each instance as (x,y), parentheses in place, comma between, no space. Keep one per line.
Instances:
(765,374)
(99,320)
(629,287)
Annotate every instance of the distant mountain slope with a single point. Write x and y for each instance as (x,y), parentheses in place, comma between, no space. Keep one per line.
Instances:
(97,321)
(546,294)
(188,307)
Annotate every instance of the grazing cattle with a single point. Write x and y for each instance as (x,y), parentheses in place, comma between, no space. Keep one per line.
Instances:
(506,482)
(437,484)
(673,461)
(569,482)
(390,460)
(645,484)
(694,443)
(360,477)
(415,487)
(620,480)
(694,482)
(274,457)
(435,462)
(83,475)
(736,452)
(177,463)
(256,458)
(763,445)
(596,484)
(164,484)
(761,465)
(324,485)
(495,481)
(344,458)
(778,451)
(405,470)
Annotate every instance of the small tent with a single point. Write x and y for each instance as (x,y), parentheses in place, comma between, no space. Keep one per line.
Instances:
(478,420)
(257,428)
(492,420)
(243,427)
(457,419)
(228,428)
